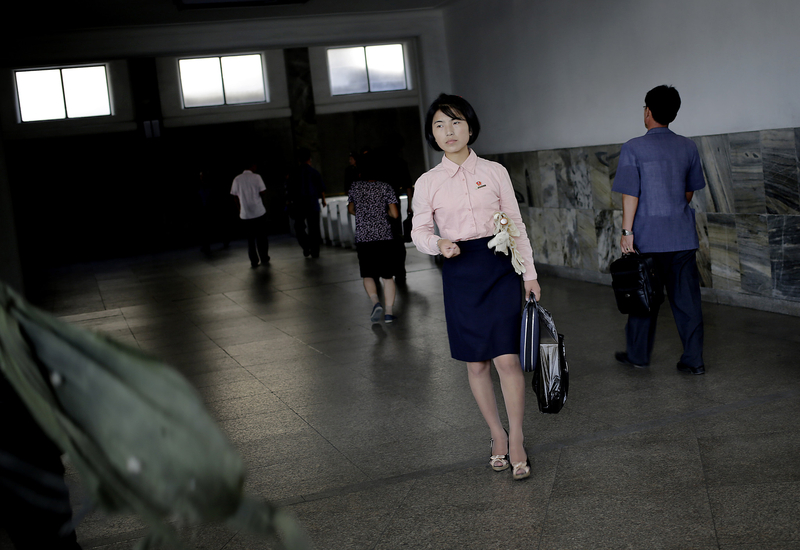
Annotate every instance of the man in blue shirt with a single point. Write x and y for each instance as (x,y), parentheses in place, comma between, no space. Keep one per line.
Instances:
(657,175)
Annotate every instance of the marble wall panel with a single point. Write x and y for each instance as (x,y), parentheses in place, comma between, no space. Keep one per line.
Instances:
(724,251)
(566,195)
(549,162)
(523,169)
(613,161)
(553,225)
(534,223)
(607,224)
(755,266)
(715,157)
(703,256)
(569,233)
(587,239)
(779,155)
(784,246)
(578,173)
(747,173)
(574,220)
(514,163)
(533,179)
(599,179)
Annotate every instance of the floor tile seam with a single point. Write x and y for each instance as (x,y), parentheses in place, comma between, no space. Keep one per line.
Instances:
(542,448)
(378,483)
(764,484)
(324,438)
(706,485)
(393,515)
(550,497)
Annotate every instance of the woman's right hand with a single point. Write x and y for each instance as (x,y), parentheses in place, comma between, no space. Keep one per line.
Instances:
(448,248)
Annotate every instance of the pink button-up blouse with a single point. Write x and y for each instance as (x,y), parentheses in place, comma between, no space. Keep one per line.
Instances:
(461,201)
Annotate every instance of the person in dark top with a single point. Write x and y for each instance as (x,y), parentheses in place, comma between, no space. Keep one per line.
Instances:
(350,172)
(305,190)
(657,175)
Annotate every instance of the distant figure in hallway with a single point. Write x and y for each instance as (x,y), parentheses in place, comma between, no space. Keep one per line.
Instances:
(250,193)
(482,289)
(305,190)
(350,172)
(657,175)
(374,203)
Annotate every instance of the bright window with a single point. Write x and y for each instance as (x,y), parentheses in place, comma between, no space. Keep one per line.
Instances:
(54,94)
(229,80)
(367,69)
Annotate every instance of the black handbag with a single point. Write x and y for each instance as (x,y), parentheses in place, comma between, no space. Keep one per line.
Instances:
(636,286)
(543,351)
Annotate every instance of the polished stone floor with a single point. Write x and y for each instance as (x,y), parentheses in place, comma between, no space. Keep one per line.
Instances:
(370,435)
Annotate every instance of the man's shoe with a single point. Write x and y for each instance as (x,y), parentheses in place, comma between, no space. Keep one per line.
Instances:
(377,313)
(691,370)
(622,357)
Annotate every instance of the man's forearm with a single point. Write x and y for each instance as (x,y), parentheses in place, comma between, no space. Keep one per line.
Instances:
(629,206)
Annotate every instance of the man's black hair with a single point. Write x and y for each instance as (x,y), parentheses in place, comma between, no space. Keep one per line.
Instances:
(455,107)
(663,102)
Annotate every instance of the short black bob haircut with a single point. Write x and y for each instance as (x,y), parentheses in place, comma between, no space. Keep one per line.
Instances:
(663,102)
(455,107)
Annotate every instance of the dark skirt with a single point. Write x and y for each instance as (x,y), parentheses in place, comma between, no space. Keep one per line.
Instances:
(482,302)
(377,259)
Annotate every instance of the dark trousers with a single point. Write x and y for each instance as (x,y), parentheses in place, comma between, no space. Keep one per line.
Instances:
(677,271)
(399,248)
(257,239)
(310,238)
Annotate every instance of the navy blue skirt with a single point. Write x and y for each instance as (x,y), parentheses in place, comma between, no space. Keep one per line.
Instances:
(482,302)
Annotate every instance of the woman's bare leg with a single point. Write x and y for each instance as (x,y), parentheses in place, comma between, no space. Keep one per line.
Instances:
(512,382)
(480,381)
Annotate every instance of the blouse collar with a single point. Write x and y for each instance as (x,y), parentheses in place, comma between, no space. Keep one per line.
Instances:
(469,164)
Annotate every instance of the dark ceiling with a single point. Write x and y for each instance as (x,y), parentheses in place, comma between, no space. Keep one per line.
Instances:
(37,17)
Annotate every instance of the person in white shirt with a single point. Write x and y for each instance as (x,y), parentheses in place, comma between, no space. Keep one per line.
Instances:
(250,193)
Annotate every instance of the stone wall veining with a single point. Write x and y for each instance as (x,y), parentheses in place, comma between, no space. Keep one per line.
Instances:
(748,215)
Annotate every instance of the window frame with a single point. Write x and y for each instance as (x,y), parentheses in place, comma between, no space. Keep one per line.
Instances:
(367,68)
(174,114)
(60,69)
(264,80)
(119,95)
(327,103)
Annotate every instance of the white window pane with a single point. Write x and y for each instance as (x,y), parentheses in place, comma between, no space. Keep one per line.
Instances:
(201,82)
(348,71)
(40,95)
(244,79)
(86,91)
(387,70)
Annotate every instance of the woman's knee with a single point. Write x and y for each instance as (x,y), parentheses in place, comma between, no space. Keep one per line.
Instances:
(479,368)
(507,364)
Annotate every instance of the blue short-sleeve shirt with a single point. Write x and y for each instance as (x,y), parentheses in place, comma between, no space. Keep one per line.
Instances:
(659,168)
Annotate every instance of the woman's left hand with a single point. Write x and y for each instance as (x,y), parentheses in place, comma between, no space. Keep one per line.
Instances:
(533,286)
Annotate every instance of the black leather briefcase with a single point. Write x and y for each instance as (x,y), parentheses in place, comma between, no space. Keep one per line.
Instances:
(635,284)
